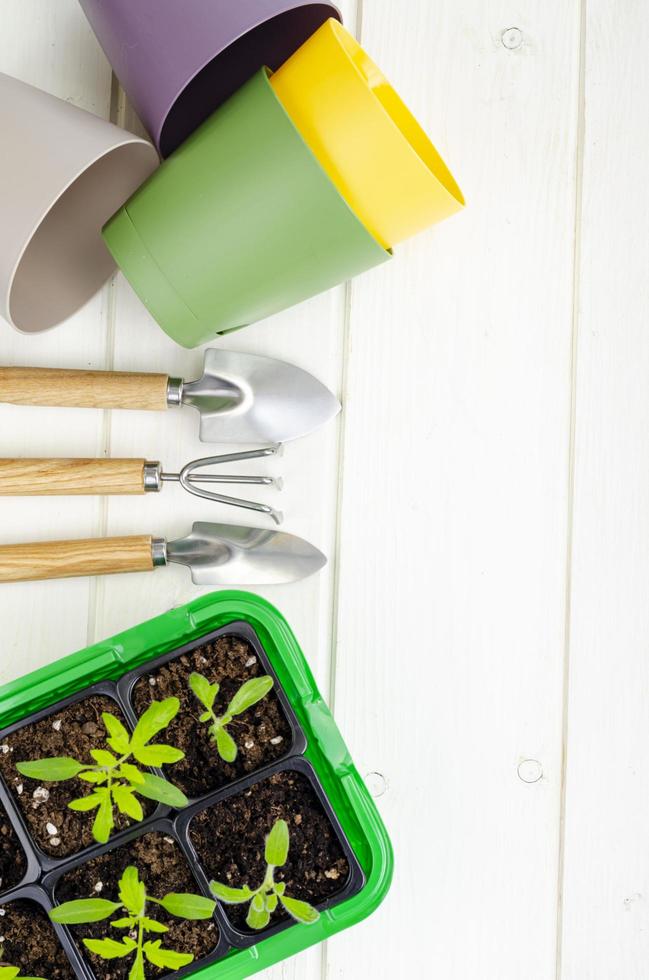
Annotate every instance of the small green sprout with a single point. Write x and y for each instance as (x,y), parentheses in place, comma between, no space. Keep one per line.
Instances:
(264,900)
(10,972)
(117,780)
(133,899)
(248,694)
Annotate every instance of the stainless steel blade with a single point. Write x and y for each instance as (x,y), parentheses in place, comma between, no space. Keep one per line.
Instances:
(248,398)
(227,554)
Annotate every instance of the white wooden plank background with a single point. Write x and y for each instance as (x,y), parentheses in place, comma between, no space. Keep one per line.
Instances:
(606,871)
(482,626)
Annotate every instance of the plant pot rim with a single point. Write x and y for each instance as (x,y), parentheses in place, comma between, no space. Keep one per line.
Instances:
(163,77)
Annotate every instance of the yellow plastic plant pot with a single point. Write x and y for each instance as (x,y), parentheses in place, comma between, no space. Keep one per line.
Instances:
(367,140)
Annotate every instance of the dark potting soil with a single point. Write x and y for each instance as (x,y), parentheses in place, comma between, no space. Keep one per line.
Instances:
(29,942)
(74,731)
(163,868)
(229,839)
(13,863)
(262,733)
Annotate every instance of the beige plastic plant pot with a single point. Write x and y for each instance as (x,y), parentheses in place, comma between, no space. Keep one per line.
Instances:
(63,173)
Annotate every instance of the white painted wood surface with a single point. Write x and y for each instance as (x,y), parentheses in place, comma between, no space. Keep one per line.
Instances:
(482,626)
(605,865)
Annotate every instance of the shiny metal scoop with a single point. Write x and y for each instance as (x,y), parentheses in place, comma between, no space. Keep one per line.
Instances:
(248,398)
(241,398)
(220,554)
(216,554)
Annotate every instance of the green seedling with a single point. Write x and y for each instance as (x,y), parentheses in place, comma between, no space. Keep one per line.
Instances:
(264,900)
(10,972)
(248,694)
(133,900)
(116,779)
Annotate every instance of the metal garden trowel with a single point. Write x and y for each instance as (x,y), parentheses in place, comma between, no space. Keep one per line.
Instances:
(216,554)
(241,398)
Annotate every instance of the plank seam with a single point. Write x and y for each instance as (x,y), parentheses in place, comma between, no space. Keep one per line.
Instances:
(117,115)
(579,179)
(346,356)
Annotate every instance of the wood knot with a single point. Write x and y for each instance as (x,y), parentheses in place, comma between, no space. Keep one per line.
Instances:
(512,38)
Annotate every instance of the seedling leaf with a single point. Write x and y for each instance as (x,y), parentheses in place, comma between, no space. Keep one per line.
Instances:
(225,744)
(231,896)
(155,788)
(86,803)
(249,693)
(156,717)
(119,737)
(53,770)
(301,911)
(132,773)
(157,755)
(126,923)
(258,918)
(110,949)
(104,821)
(204,691)
(103,758)
(92,776)
(127,802)
(277,844)
(84,910)
(132,892)
(152,925)
(187,906)
(159,956)
(10,972)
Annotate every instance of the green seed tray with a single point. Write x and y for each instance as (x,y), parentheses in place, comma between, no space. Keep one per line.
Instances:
(326,750)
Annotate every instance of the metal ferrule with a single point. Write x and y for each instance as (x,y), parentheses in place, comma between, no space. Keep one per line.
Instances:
(174,391)
(152,477)
(159,551)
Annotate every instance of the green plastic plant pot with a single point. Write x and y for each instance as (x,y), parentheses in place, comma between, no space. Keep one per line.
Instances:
(325,752)
(240,222)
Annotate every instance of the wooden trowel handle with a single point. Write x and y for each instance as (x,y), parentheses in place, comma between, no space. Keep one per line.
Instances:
(66,559)
(40,477)
(83,389)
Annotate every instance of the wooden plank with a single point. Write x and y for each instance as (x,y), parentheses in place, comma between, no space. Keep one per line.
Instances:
(308,466)
(311,336)
(451,594)
(606,877)
(50,45)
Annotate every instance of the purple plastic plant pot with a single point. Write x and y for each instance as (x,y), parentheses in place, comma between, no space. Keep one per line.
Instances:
(178,60)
